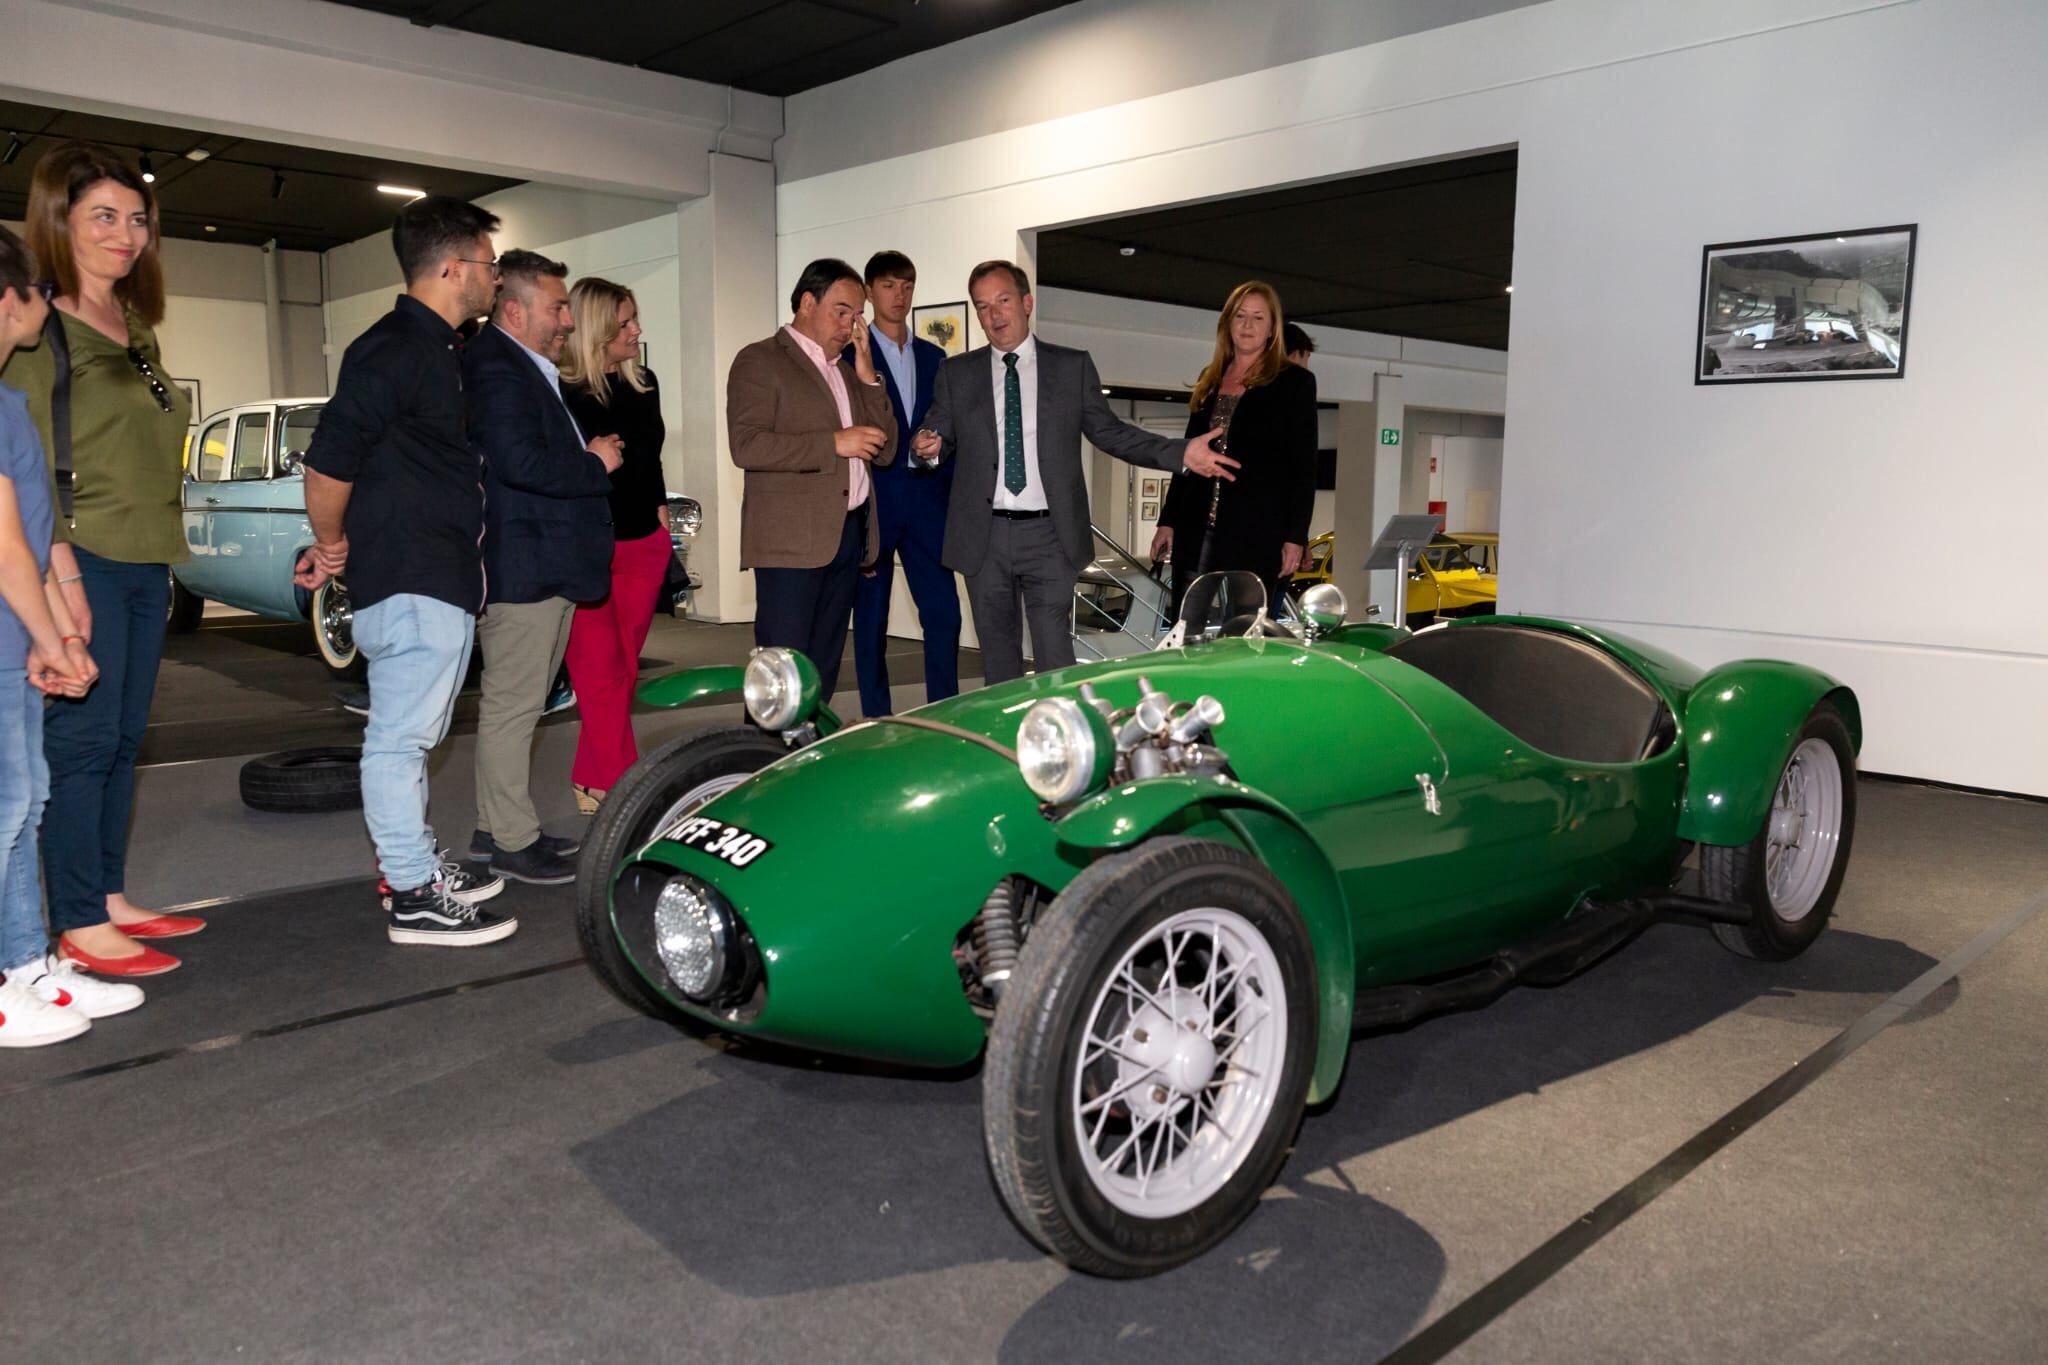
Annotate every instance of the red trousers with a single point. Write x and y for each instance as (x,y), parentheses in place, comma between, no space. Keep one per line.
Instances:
(604,659)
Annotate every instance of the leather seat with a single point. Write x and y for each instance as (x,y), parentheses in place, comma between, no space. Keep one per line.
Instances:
(1553,691)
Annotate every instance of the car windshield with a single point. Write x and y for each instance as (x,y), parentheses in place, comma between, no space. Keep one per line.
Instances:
(1221,604)
(1446,555)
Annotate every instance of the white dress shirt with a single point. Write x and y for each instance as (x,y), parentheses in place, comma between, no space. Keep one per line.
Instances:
(1032,499)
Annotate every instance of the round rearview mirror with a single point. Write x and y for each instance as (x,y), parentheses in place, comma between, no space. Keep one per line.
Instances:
(1323,608)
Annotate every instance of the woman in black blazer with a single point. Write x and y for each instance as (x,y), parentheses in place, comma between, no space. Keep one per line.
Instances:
(1259,521)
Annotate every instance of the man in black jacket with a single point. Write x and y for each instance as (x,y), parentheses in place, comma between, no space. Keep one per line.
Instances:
(547,546)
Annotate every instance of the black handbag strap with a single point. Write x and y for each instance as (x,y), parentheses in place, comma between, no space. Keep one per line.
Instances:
(60,407)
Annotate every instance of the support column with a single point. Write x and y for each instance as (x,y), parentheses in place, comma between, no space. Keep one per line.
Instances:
(1387,466)
(273,320)
(726,276)
(1355,525)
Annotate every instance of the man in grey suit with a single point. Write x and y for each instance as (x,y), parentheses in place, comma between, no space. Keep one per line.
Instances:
(1011,415)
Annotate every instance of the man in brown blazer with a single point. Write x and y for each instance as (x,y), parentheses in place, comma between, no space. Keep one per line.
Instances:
(805,425)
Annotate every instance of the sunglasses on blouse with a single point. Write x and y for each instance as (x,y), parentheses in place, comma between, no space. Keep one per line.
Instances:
(156,386)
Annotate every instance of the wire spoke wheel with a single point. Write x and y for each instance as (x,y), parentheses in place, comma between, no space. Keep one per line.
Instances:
(1805,830)
(1180,1062)
(1150,1058)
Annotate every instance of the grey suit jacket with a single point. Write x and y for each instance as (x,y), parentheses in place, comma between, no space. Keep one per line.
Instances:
(965,412)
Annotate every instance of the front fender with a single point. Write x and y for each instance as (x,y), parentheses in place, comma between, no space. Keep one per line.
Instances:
(718,680)
(1741,721)
(1219,807)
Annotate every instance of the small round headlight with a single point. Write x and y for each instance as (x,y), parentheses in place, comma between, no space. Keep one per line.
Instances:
(693,933)
(1323,607)
(780,688)
(1064,749)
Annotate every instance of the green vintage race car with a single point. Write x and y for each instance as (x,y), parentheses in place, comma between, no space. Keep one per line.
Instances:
(1164,892)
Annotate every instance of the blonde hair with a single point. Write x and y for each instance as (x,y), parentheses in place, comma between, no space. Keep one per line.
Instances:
(1269,364)
(595,305)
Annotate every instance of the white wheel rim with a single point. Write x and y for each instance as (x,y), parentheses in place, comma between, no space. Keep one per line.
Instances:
(1180,1063)
(703,794)
(1805,830)
(334,625)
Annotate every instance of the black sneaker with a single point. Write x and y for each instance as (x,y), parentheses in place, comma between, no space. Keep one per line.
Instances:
(482,847)
(431,914)
(536,864)
(471,888)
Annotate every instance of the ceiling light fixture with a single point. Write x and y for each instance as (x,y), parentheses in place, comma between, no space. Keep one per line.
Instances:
(404,191)
(1509,290)
(13,149)
(277,184)
(211,228)
(1127,250)
(148,171)
(198,154)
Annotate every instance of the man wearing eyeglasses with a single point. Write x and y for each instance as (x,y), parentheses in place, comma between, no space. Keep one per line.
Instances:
(395,497)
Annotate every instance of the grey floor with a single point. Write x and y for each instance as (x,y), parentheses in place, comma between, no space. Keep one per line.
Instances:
(311,1145)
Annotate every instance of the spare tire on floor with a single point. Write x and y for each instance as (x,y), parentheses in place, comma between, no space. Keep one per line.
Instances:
(302,781)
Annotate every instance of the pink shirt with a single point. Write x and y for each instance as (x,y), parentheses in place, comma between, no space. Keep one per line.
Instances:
(857,473)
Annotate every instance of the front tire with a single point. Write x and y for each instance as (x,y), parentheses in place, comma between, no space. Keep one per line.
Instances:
(1150,1061)
(660,789)
(186,608)
(1791,872)
(334,634)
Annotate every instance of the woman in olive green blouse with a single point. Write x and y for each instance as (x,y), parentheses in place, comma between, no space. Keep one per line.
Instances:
(92,222)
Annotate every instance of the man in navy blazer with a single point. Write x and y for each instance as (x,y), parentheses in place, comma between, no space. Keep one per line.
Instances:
(547,546)
(910,503)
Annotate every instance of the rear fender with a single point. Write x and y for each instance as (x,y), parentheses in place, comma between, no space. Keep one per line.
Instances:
(1126,816)
(1741,721)
(723,680)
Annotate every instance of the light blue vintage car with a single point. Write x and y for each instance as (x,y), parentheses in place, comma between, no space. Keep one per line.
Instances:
(244,509)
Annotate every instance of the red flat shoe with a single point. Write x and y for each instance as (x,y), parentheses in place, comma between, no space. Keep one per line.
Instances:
(148,962)
(163,926)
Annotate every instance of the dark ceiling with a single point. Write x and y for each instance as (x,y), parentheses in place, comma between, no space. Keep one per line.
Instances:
(1425,251)
(775,47)
(329,197)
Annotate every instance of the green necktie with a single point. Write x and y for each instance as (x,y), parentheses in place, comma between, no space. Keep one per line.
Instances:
(1013,426)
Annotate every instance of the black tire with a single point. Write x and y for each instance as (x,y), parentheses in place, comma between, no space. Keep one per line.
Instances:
(632,810)
(1739,873)
(333,622)
(304,781)
(1036,1042)
(185,610)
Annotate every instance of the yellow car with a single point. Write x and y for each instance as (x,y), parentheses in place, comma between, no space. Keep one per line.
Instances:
(1454,577)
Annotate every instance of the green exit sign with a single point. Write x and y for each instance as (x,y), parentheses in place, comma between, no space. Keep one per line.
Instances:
(1390,436)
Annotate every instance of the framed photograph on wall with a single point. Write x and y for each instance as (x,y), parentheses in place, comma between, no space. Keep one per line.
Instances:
(944,325)
(190,387)
(1832,305)
(1152,488)
(1148,511)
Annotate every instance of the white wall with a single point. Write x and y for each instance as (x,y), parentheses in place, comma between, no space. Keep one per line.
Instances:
(1776,519)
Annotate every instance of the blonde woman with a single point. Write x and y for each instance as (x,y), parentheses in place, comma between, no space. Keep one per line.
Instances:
(1267,407)
(611,394)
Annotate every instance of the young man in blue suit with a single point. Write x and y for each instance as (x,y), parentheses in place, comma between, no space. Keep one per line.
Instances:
(910,503)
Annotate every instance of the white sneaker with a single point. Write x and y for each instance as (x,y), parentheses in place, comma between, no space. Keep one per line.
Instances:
(26,1020)
(62,982)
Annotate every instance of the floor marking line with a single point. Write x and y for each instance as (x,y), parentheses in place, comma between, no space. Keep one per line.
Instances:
(228,1040)
(215,902)
(1477,1310)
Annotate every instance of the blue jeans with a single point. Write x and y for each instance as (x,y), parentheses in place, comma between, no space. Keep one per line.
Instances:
(91,743)
(418,649)
(24,787)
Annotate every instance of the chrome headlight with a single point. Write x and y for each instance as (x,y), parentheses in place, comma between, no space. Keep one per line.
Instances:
(685,516)
(694,935)
(1323,608)
(1064,750)
(780,687)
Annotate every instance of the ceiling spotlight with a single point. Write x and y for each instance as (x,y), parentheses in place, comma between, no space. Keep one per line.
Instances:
(1127,250)
(403,191)
(1509,290)
(13,149)
(211,228)
(277,184)
(148,171)
(198,154)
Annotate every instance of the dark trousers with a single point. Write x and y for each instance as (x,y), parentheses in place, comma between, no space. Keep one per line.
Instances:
(932,588)
(91,743)
(1026,566)
(808,609)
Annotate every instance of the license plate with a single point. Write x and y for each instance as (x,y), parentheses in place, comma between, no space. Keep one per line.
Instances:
(728,843)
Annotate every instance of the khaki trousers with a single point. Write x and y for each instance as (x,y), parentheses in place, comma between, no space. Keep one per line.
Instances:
(522,645)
